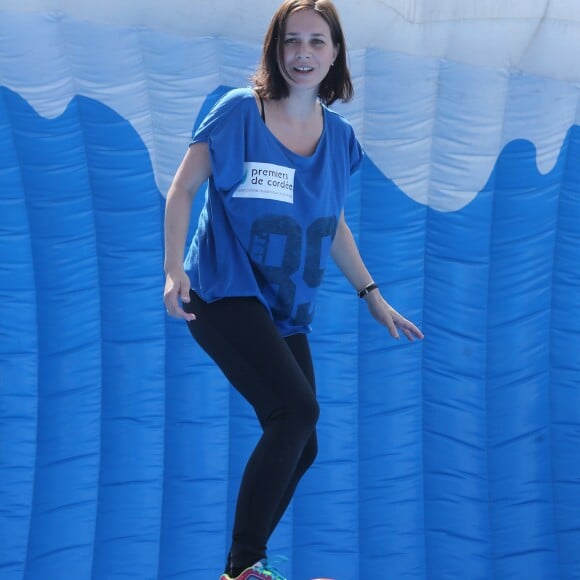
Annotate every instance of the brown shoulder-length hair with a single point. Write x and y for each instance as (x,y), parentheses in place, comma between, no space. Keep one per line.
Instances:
(268,80)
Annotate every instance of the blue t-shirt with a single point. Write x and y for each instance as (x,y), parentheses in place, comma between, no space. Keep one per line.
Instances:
(270,215)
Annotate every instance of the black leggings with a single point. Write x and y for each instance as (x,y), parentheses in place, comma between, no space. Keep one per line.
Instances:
(275,375)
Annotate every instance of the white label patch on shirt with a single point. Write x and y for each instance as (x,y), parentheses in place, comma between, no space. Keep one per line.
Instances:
(267,181)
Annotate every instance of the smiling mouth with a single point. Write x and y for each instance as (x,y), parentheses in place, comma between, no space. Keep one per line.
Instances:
(303,69)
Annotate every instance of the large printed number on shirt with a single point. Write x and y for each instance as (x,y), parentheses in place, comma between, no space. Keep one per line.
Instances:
(284,229)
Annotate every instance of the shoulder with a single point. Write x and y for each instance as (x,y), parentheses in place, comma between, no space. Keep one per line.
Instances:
(234,99)
(227,110)
(337,122)
(344,138)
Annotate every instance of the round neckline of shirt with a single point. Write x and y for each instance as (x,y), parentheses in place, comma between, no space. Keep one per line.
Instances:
(280,144)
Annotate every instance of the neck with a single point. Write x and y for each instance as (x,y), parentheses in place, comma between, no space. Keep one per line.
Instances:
(300,105)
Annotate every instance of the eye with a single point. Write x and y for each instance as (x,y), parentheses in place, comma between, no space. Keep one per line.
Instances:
(317,41)
(291,40)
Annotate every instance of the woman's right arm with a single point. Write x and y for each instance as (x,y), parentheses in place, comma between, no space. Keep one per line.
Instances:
(193,171)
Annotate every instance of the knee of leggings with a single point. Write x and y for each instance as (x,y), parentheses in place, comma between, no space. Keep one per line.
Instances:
(310,452)
(299,416)
(310,413)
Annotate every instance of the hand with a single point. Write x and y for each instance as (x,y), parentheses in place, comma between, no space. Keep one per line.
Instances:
(385,314)
(177,286)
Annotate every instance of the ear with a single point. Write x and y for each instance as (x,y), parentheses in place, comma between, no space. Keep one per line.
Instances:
(335,53)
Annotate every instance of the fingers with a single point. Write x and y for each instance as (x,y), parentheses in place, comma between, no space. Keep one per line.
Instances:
(184,294)
(384,313)
(175,290)
(391,325)
(408,328)
(173,307)
(416,332)
(178,312)
(185,299)
(405,326)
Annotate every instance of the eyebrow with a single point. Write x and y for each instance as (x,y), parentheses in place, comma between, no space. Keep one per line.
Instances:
(313,34)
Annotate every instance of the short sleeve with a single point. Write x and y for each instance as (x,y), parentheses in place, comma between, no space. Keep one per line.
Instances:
(223,129)
(356,153)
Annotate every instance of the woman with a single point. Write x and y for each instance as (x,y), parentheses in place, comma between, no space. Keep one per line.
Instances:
(278,163)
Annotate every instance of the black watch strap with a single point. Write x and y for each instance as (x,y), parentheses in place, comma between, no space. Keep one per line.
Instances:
(367,289)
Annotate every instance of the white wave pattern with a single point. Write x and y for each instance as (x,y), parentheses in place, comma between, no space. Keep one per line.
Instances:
(433,121)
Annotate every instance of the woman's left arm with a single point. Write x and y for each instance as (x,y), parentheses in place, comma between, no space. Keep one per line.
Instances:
(347,257)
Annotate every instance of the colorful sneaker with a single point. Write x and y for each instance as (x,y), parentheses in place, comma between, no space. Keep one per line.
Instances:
(259,571)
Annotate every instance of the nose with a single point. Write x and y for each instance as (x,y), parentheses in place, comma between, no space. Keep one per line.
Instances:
(302,50)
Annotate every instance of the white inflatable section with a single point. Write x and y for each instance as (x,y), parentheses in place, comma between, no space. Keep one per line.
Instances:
(507,33)
(534,36)
(482,49)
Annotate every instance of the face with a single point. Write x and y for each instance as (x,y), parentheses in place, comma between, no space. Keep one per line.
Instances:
(308,50)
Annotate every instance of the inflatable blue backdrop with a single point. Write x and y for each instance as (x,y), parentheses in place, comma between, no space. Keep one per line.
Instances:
(121,445)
